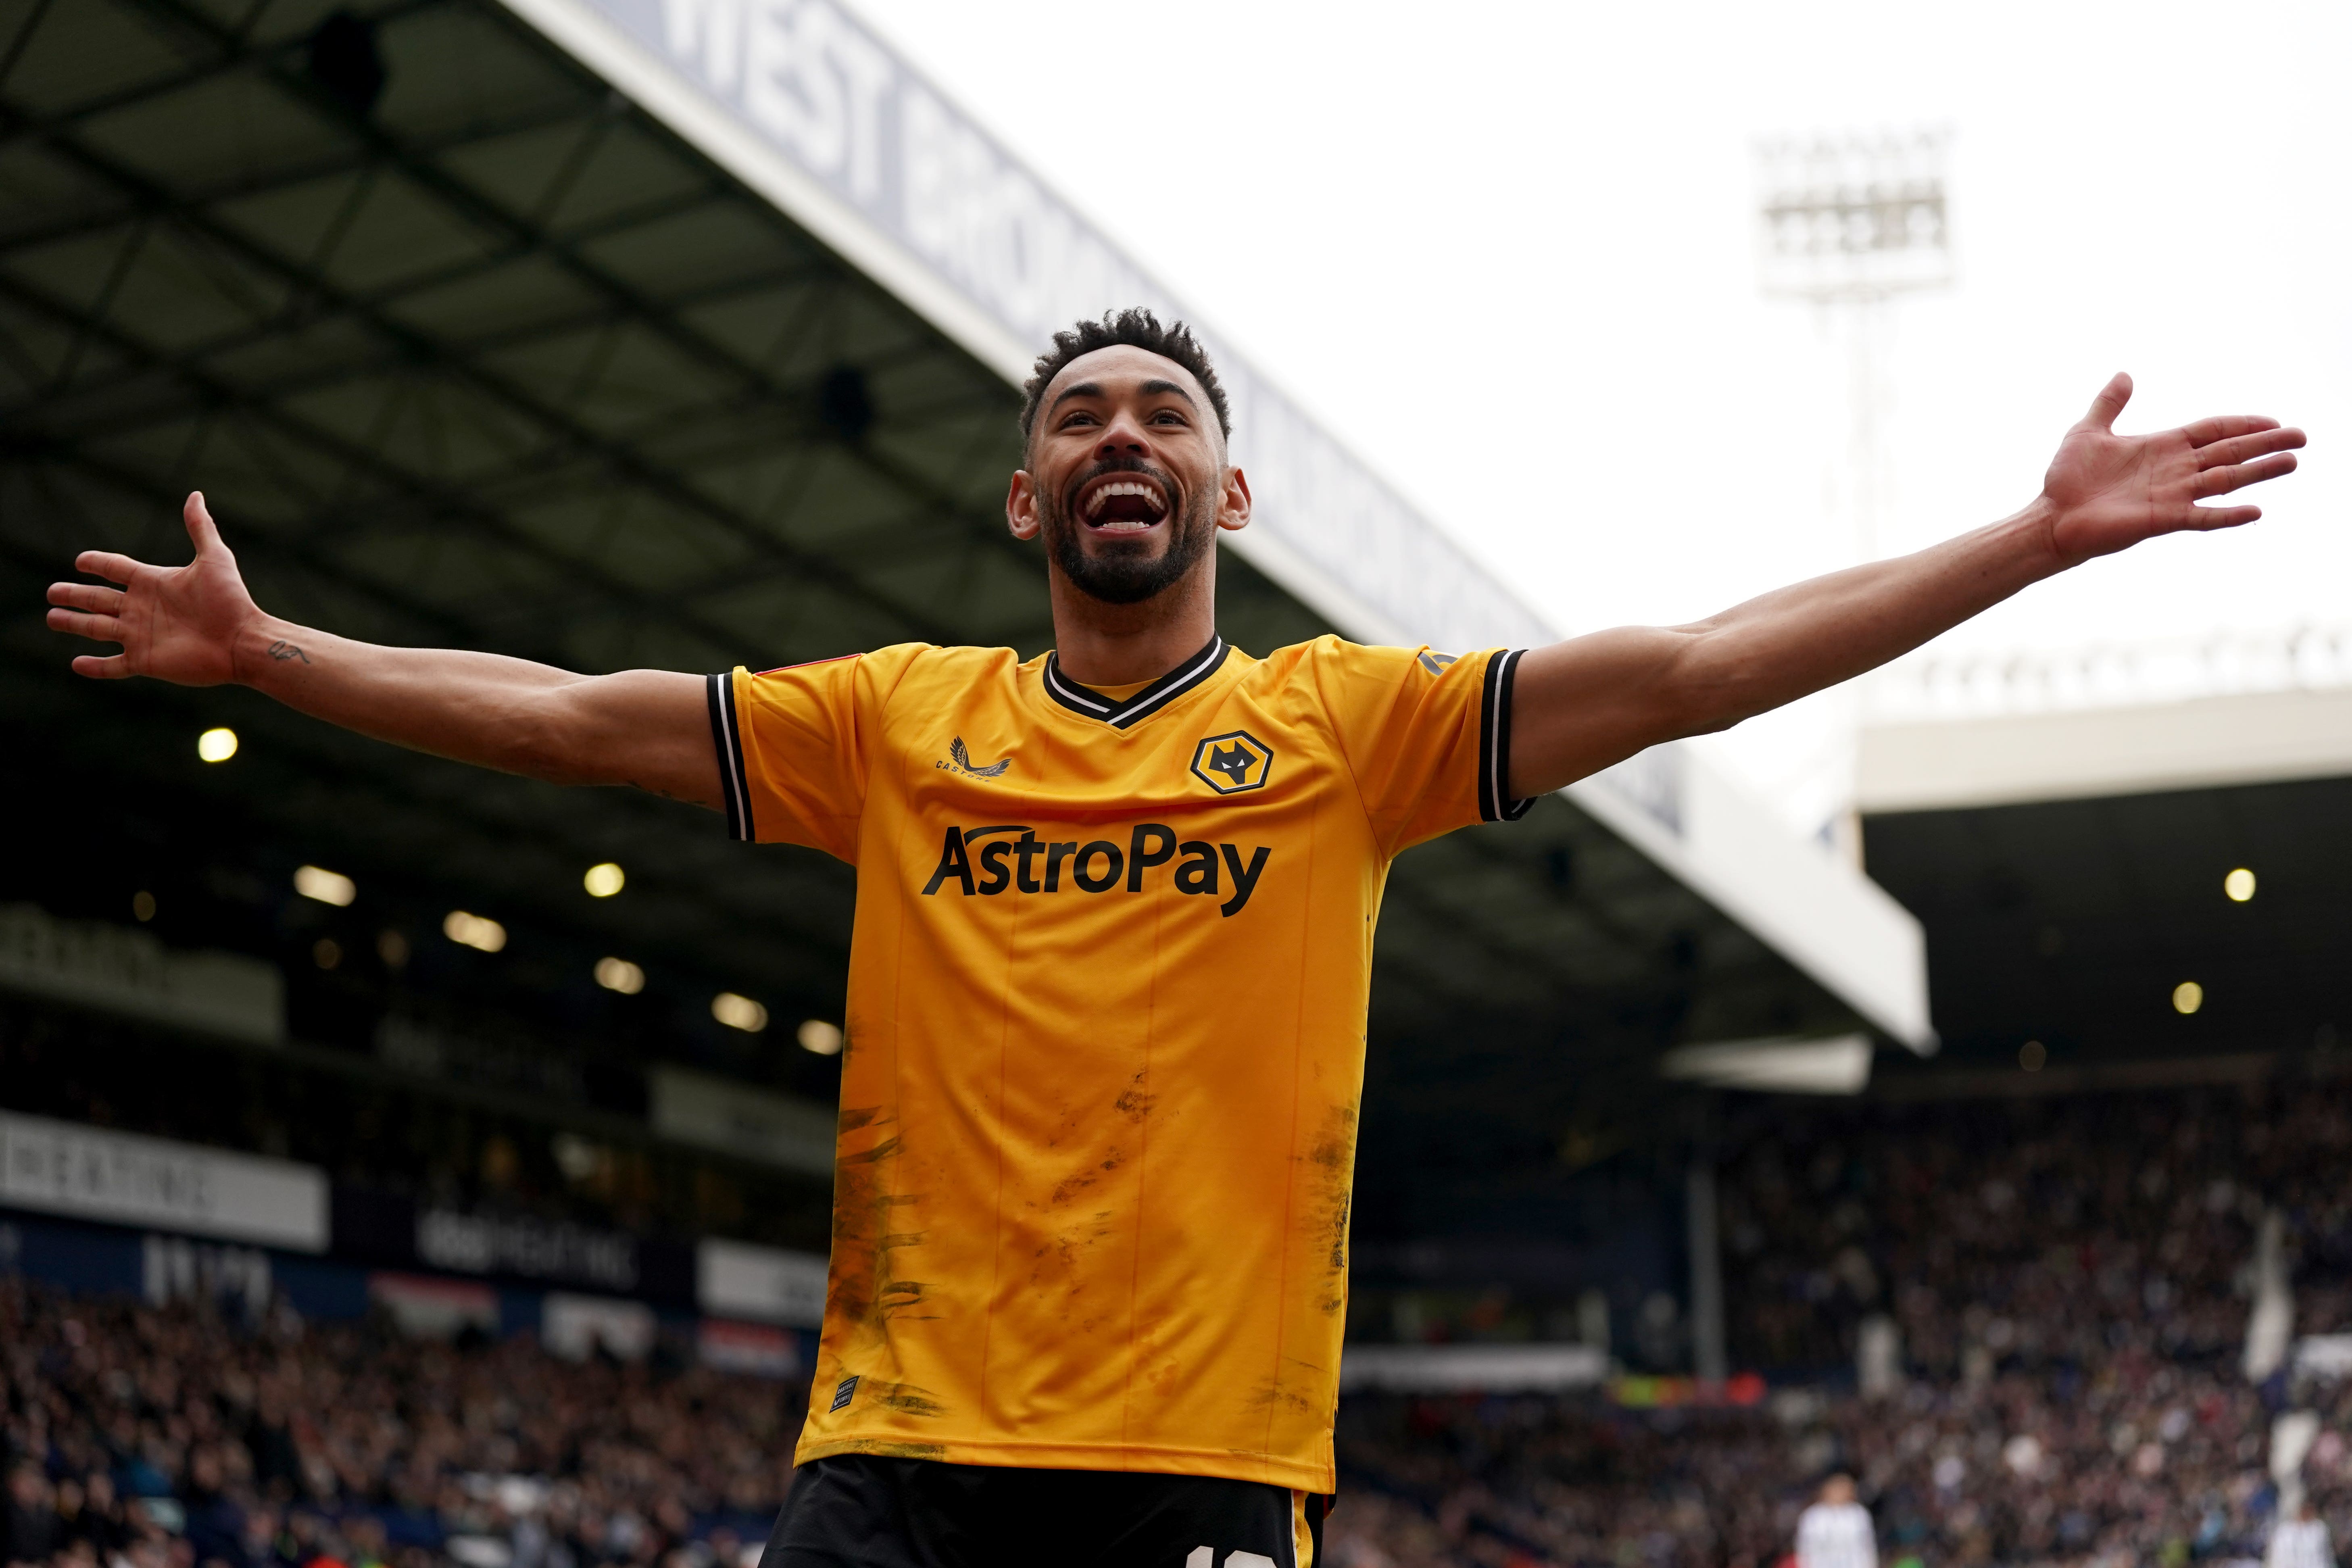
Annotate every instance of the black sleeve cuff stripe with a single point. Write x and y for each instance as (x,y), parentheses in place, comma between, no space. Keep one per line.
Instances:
(1495,741)
(729,740)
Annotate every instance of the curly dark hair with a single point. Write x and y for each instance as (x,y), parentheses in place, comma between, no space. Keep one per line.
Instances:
(1137,327)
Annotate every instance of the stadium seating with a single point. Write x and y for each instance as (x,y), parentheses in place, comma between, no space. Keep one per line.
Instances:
(2069,1277)
(2071,1280)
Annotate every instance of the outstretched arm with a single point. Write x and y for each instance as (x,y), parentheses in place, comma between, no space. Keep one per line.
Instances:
(1580,705)
(197,626)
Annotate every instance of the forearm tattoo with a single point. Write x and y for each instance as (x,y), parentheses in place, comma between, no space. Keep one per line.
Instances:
(282,651)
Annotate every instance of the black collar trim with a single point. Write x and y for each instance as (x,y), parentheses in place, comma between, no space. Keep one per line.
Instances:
(1121,714)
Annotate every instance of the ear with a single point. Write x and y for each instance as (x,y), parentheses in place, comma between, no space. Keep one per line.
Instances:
(1233,504)
(1021,506)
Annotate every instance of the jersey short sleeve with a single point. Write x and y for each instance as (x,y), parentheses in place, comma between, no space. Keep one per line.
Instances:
(1426,734)
(795,745)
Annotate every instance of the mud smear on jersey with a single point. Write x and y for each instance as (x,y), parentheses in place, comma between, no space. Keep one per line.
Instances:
(1055,1264)
(1331,1178)
(905,1398)
(881,1449)
(1060,1253)
(1069,1188)
(1133,1103)
(865,1288)
(900,1293)
(1329,1182)
(1275,1392)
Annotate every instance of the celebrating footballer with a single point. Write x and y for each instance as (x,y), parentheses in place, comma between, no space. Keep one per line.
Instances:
(1114,931)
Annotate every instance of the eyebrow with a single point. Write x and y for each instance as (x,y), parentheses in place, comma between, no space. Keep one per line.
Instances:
(1152,387)
(1094,389)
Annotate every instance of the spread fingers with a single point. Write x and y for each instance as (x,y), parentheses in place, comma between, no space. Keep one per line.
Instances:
(106,564)
(2222,425)
(2254,444)
(2221,482)
(102,628)
(86,596)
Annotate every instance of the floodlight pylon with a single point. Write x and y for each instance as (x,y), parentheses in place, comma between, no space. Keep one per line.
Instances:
(1849,224)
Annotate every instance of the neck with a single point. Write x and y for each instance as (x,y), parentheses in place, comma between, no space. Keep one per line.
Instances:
(1119,645)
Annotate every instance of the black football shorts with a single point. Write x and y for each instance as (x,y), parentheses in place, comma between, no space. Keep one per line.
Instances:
(860,1512)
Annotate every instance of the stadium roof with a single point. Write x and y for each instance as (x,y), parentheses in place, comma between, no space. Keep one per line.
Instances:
(2073,866)
(2261,737)
(620,333)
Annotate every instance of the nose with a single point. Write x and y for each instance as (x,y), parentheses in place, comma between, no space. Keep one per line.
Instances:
(1123,436)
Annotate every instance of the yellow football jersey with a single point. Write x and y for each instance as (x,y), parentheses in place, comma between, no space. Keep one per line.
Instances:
(1105,1023)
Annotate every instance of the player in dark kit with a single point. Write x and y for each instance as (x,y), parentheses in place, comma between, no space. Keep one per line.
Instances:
(1113,940)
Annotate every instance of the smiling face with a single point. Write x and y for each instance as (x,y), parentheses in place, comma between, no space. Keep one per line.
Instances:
(1126,478)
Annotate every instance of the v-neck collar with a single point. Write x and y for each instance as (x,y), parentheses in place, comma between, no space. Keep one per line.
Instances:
(1121,712)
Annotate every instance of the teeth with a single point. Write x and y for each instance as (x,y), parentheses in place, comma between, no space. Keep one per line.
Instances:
(1123,487)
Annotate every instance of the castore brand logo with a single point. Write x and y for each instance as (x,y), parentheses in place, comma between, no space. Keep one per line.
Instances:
(960,762)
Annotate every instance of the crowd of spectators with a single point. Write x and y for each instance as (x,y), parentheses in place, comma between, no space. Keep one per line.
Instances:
(2143,1466)
(2068,1285)
(144,1438)
(2034,1230)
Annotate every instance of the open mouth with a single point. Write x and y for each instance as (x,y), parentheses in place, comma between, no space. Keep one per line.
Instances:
(1122,503)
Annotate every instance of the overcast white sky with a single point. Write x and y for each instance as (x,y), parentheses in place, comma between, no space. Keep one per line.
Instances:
(1505,251)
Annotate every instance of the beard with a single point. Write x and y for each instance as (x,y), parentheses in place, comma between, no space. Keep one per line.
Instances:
(1123,573)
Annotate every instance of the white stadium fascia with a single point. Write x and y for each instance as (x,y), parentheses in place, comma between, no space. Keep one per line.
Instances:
(2091,753)
(804,104)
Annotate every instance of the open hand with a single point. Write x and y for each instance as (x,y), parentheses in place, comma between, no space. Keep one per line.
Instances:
(179,624)
(2107,492)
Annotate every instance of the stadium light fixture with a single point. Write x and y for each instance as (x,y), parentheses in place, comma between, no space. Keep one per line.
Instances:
(821,1038)
(1839,1064)
(392,948)
(326,887)
(738,1011)
(217,744)
(2187,997)
(326,952)
(575,1156)
(619,974)
(476,932)
(143,905)
(2239,885)
(1853,217)
(2032,1056)
(1847,223)
(603,881)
